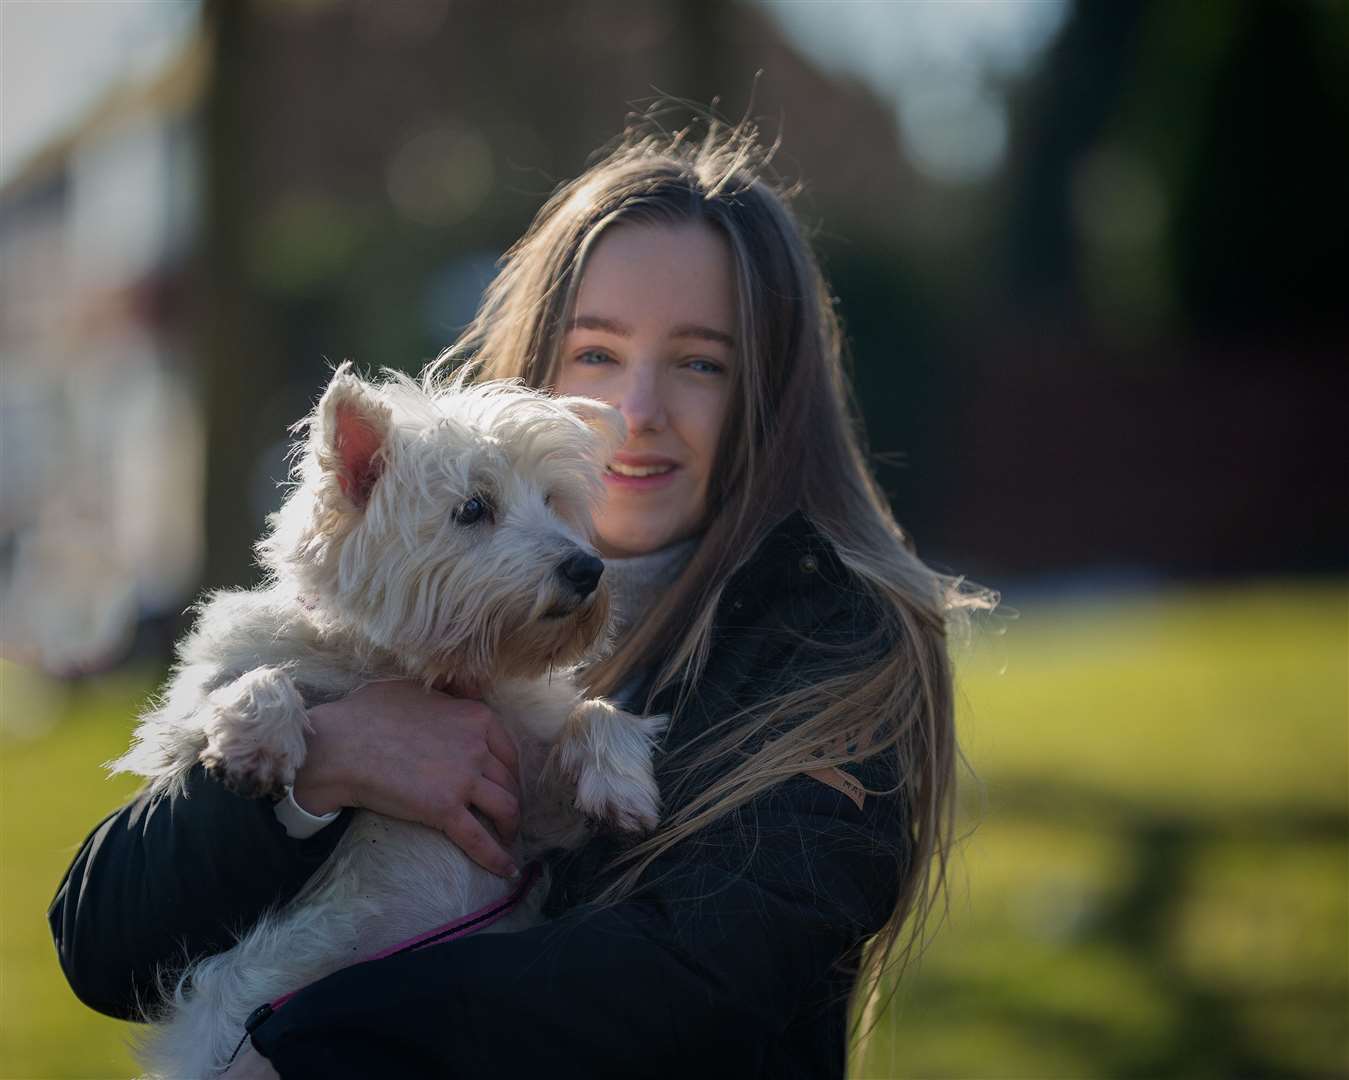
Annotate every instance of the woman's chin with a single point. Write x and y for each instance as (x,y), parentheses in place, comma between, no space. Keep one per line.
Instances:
(630,539)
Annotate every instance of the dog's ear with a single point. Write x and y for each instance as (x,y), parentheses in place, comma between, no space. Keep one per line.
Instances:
(604,420)
(353,428)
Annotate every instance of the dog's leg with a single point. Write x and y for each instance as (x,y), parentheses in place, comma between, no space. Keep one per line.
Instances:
(255,732)
(607,753)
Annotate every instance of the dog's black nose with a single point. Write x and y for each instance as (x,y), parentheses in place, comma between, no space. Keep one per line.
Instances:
(582,572)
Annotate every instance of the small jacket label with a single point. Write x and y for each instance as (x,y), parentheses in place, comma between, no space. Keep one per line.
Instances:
(840,781)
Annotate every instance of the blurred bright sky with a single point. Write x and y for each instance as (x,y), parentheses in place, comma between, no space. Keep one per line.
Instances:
(944,64)
(58,57)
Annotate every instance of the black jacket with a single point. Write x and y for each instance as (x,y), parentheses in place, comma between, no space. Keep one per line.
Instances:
(732,958)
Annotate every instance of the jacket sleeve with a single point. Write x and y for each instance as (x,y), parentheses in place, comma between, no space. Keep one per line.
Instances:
(701,969)
(166,879)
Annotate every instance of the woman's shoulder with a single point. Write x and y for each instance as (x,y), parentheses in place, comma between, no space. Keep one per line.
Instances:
(794,547)
(795,619)
(792,615)
(796,582)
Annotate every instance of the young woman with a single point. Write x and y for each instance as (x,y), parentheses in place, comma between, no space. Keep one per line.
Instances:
(767,601)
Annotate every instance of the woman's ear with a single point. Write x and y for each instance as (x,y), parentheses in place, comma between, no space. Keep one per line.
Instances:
(604,420)
(353,427)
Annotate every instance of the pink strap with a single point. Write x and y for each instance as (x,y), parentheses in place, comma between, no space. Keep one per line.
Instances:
(452,930)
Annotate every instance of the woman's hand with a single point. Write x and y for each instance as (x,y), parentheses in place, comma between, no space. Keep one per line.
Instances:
(421,756)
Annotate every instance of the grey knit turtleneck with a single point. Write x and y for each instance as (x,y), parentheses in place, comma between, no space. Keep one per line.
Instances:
(634,585)
(636,582)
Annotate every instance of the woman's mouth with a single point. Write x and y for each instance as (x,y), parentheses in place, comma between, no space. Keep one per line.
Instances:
(638,470)
(640,476)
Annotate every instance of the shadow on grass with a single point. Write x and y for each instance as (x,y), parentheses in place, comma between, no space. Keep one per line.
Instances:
(1197,901)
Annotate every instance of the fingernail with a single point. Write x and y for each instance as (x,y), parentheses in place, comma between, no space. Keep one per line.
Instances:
(513,873)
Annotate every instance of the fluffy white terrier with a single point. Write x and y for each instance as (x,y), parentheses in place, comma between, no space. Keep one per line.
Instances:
(433,534)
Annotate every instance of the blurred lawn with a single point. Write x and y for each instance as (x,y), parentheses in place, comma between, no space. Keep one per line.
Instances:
(1156,880)
(53,792)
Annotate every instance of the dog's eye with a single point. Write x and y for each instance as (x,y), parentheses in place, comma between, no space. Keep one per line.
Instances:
(473,510)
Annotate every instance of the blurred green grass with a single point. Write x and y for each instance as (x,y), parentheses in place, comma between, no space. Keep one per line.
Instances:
(1155,880)
(1155,875)
(52,793)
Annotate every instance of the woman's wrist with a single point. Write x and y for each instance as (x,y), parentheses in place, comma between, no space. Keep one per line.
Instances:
(322,784)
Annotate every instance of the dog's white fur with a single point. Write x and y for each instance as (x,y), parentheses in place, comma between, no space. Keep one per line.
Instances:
(373,575)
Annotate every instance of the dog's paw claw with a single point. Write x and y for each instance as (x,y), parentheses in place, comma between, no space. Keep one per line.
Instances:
(608,759)
(255,741)
(635,808)
(257,776)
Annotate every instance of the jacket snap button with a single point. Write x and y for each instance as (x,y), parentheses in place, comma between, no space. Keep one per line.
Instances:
(809,565)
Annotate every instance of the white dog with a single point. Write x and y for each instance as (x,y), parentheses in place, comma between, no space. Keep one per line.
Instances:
(439,535)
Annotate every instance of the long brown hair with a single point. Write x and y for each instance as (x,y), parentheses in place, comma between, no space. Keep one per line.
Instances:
(789,406)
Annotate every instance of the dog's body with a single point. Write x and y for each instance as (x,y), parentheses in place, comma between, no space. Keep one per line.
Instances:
(440,536)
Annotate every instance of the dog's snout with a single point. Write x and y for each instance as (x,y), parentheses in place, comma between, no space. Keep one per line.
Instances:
(582,572)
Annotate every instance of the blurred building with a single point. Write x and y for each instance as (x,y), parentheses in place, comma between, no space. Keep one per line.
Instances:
(101,442)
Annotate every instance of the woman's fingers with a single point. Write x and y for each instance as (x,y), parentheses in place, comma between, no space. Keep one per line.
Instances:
(399,750)
(501,776)
(500,807)
(502,746)
(477,843)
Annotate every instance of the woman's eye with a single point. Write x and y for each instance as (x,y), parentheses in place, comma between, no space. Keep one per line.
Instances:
(593,357)
(702,364)
(475,509)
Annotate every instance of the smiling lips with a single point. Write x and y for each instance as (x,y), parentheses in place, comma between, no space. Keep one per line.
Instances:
(640,471)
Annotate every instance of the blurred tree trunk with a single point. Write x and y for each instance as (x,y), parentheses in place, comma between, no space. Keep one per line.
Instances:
(702,31)
(238,373)
(1070,102)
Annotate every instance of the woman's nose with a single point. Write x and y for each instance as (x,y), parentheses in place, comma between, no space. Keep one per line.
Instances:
(641,402)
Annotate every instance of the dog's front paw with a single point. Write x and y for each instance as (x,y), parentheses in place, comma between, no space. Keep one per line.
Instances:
(255,738)
(609,759)
(252,774)
(629,804)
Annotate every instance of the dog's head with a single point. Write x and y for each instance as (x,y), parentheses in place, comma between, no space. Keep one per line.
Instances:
(450,527)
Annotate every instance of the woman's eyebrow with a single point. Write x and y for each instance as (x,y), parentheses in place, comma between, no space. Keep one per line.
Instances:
(706,333)
(685,330)
(599,322)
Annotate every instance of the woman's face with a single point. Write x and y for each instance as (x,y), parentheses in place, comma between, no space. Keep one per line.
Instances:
(653,335)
